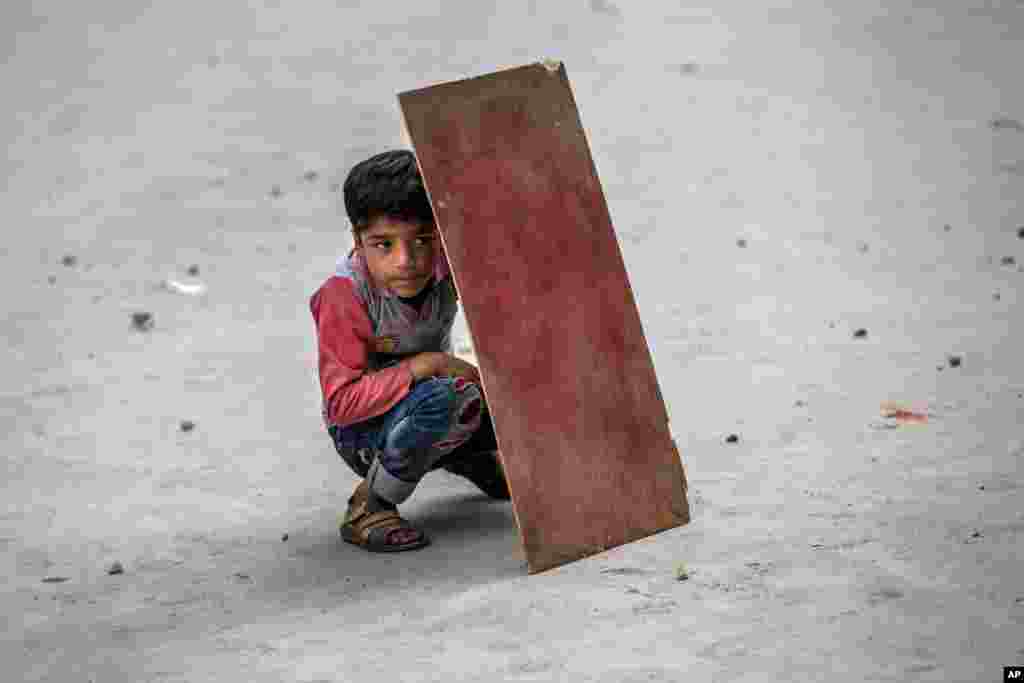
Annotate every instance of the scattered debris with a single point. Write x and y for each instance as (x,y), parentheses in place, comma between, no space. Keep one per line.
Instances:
(142,321)
(973,537)
(862,247)
(1008,261)
(1005,123)
(955,361)
(284,537)
(741,243)
(894,411)
(996,296)
(187,425)
(242,576)
(817,546)
(732,438)
(604,7)
(689,68)
(275,191)
(310,176)
(682,573)
(186,288)
(622,571)
(800,403)
(52,279)
(860,333)
(1020,232)
(69,260)
(55,579)
(193,270)
(947,227)
(115,568)
(981,487)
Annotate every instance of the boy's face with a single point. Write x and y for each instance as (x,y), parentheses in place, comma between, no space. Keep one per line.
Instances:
(399,254)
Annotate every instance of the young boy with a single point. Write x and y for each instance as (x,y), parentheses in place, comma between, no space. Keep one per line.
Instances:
(396,402)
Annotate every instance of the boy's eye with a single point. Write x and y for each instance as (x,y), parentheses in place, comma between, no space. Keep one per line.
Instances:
(383,245)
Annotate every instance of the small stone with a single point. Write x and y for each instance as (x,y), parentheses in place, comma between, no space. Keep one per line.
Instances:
(55,579)
(1008,261)
(284,537)
(976,534)
(69,260)
(732,438)
(242,576)
(193,270)
(800,403)
(741,243)
(1005,123)
(947,227)
(996,297)
(981,487)
(142,321)
(860,333)
(115,568)
(275,191)
(689,67)
(954,361)
(187,425)
(1020,232)
(310,176)
(52,279)
(682,572)
(863,247)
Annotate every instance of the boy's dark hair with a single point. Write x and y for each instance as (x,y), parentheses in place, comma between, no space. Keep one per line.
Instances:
(386,184)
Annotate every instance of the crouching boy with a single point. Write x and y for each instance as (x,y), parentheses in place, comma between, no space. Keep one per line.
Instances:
(396,402)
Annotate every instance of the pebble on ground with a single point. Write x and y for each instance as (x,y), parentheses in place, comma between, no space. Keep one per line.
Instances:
(142,321)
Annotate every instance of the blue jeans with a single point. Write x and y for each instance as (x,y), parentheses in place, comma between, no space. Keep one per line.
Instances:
(403,441)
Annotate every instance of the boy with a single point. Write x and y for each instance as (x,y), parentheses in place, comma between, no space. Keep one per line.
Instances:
(396,402)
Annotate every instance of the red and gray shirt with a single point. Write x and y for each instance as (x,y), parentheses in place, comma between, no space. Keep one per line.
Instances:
(365,332)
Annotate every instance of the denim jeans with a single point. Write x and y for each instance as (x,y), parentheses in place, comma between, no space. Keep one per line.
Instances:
(438,420)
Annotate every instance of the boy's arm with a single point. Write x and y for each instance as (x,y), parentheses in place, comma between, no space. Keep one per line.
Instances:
(343,328)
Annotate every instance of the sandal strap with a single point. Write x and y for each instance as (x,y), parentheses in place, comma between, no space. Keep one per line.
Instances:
(388,520)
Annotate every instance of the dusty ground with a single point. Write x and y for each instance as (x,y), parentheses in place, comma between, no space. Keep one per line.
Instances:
(871,155)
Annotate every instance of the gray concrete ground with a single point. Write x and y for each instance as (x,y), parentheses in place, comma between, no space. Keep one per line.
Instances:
(871,155)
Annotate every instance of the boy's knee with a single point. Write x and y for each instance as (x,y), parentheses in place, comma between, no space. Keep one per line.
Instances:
(434,401)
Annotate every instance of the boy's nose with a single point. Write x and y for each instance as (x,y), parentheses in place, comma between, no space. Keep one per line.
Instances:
(403,254)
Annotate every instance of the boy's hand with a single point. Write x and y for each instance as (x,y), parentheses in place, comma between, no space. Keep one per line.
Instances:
(457,367)
(437,364)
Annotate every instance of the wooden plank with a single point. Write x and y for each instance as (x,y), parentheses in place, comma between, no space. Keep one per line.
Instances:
(567,373)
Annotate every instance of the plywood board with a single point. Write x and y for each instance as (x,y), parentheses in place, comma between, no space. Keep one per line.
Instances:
(567,372)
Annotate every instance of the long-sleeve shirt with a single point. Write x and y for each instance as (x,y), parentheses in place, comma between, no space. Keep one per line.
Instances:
(365,333)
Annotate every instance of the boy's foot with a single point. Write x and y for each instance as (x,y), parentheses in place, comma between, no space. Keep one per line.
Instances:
(483,469)
(375,525)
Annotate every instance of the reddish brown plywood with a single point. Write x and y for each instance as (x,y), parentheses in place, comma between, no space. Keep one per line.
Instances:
(579,418)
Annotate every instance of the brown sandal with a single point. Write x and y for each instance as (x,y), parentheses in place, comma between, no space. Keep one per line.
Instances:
(371,530)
